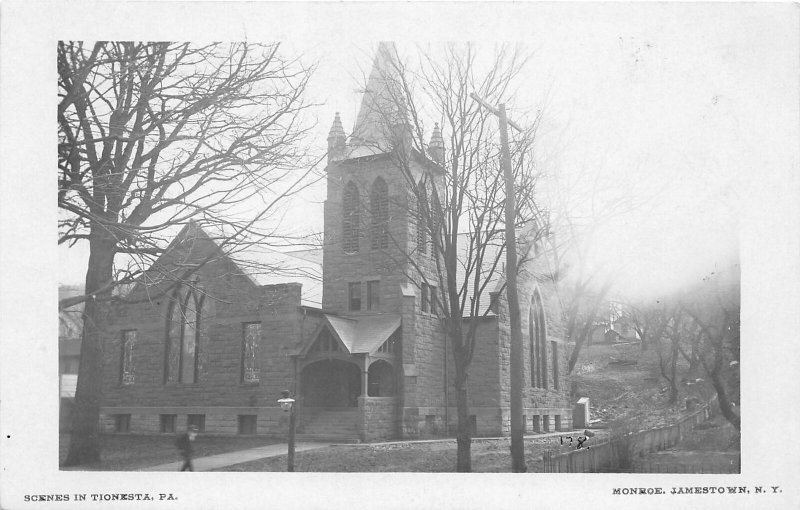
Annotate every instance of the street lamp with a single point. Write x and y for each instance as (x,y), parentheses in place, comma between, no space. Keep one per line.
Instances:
(287,404)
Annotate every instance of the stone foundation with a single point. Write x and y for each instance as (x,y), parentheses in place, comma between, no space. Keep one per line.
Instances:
(223,421)
(429,422)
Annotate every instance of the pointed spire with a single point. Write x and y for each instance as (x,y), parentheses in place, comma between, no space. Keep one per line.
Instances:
(436,145)
(336,140)
(382,111)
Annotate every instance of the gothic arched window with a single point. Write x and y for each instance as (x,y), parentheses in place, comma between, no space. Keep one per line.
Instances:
(379,205)
(127,370)
(422,209)
(183,336)
(538,348)
(350,219)
(435,211)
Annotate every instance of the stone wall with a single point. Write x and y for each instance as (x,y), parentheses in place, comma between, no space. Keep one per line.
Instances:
(231,301)
(270,421)
(541,405)
(378,418)
(386,265)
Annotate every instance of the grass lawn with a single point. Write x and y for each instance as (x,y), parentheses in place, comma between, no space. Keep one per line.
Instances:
(488,456)
(132,452)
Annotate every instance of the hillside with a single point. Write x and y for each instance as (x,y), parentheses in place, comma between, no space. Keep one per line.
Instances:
(624,383)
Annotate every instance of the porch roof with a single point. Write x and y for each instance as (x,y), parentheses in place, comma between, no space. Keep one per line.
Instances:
(364,334)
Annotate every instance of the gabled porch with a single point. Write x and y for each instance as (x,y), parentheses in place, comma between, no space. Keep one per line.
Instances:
(347,383)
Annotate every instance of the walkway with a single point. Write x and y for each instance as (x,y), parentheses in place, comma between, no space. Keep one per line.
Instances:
(212,462)
(596,435)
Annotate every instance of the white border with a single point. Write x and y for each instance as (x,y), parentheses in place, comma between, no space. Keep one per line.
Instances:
(29,264)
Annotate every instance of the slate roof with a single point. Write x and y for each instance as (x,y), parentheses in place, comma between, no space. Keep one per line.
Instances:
(378,106)
(266,266)
(363,334)
(496,274)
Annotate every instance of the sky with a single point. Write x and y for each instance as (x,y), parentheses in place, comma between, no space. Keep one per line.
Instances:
(655,105)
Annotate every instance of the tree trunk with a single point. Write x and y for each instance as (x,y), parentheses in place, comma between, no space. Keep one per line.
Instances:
(694,361)
(573,357)
(724,401)
(84,446)
(464,430)
(673,383)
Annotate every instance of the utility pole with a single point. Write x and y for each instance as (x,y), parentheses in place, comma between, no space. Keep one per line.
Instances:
(517,378)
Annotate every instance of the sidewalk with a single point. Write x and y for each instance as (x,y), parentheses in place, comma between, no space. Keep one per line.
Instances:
(212,462)
(599,433)
(228,459)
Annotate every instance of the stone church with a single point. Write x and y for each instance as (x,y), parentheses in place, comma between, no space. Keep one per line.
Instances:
(210,337)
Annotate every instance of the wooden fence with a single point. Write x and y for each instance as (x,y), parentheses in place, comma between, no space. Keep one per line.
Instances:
(618,452)
(724,464)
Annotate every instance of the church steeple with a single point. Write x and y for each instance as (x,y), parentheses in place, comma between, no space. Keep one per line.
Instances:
(336,140)
(383,113)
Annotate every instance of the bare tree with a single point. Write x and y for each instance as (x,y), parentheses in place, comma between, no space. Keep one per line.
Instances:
(583,311)
(715,306)
(642,319)
(674,327)
(458,201)
(582,208)
(151,136)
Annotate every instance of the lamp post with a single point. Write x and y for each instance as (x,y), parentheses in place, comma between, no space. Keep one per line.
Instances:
(287,404)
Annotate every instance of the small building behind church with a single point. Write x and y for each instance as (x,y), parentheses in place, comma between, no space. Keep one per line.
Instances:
(210,338)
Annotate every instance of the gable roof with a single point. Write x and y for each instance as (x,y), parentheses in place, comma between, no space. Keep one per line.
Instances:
(495,275)
(363,334)
(483,273)
(260,264)
(265,266)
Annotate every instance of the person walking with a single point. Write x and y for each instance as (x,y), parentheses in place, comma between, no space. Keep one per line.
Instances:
(184,443)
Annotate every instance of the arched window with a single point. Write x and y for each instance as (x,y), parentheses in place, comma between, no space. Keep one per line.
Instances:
(183,336)
(435,211)
(350,219)
(379,205)
(127,370)
(380,380)
(251,343)
(538,348)
(422,209)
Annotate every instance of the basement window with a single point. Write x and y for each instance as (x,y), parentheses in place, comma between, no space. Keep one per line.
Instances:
(122,423)
(197,420)
(247,424)
(168,423)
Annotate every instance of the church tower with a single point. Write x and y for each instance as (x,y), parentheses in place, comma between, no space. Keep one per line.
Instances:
(371,228)
(378,263)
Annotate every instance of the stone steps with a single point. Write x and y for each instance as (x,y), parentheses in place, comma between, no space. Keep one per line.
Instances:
(329,424)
